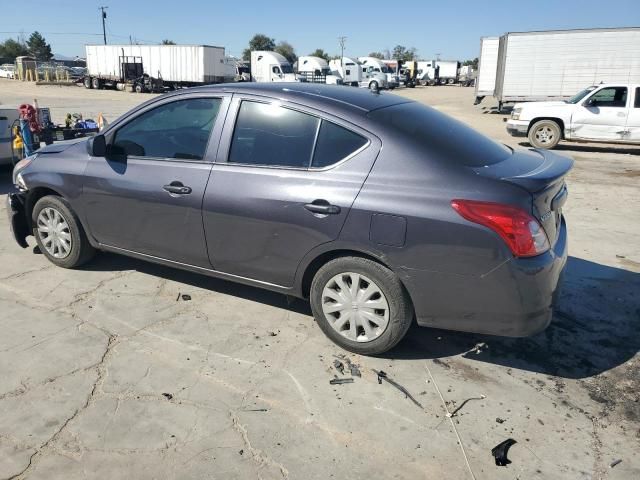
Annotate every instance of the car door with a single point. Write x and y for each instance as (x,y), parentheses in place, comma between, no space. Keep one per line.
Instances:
(602,115)
(146,195)
(633,119)
(284,182)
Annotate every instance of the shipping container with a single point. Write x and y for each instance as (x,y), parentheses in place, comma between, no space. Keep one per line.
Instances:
(487,66)
(555,65)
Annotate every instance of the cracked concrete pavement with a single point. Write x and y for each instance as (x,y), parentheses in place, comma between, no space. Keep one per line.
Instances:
(105,374)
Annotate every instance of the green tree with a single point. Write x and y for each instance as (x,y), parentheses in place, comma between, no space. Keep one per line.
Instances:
(39,48)
(318,52)
(259,42)
(285,49)
(168,42)
(403,53)
(11,48)
(376,55)
(473,63)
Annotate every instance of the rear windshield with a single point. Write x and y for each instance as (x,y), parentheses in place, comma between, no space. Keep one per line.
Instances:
(440,134)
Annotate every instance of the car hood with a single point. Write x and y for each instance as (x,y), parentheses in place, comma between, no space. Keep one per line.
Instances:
(60,146)
(557,103)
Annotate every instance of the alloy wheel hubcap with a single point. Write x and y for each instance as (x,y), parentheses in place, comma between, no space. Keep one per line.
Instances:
(545,135)
(54,232)
(355,307)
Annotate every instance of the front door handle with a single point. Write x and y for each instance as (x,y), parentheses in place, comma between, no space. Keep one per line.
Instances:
(323,207)
(177,188)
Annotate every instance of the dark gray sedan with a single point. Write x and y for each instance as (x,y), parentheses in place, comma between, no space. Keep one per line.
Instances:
(378,209)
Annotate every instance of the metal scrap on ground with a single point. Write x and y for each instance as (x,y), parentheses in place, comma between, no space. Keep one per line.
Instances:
(451,414)
(382,375)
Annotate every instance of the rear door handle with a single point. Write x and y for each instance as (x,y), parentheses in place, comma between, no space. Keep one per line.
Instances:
(177,188)
(323,207)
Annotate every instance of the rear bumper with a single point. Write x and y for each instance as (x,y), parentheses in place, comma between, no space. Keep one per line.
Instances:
(517,128)
(17,218)
(514,300)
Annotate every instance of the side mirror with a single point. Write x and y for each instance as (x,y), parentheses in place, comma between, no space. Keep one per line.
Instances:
(97,146)
(592,102)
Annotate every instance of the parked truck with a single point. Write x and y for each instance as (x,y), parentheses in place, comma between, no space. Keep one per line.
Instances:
(348,69)
(154,67)
(554,65)
(447,71)
(373,71)
(316,70)
(269,66)
(487,66)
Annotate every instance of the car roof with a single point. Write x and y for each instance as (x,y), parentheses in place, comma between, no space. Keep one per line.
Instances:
(314,95)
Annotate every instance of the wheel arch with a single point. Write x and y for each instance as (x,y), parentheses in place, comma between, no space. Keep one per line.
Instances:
(557,120)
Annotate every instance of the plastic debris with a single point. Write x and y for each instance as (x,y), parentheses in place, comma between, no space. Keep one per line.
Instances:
(338,365)
(500,451)
(500,420)
(340,381)
(615,462)
(481,397)
(168,396)
(382,375)
(186,297)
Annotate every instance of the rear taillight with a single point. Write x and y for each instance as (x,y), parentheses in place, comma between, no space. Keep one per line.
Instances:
(523,234)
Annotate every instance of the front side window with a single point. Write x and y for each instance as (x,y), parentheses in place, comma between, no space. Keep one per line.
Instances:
(276,70)
(637,100)
(609,97)
(178,129)
(272,135)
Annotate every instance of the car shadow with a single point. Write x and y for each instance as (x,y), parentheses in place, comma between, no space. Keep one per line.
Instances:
(580,148)
(593,330)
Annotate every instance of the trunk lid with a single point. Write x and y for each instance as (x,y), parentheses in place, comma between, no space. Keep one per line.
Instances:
(542,174)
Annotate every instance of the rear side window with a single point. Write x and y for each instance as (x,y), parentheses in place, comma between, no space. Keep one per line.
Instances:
(177,129)
(440,135)
(334,144)
(637,101)
(271,135)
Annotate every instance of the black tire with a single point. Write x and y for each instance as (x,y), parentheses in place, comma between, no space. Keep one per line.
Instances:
(87,82)
(96,83)
(81,250)
(400,315)
(544,134)
(139,88)
(373,86)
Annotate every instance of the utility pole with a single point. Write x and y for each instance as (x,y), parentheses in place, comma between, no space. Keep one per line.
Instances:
(342,41)
(104,16)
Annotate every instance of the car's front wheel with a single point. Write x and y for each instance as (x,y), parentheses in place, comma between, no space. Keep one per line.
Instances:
(544,134)
(59,234)
(360,305)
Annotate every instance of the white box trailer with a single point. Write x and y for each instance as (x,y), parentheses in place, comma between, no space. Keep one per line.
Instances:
(555,65)
(175,65)
(487,67)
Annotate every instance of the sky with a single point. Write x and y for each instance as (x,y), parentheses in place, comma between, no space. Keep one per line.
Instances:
(450,28)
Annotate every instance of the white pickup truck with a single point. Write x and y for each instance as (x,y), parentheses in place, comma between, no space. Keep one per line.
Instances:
(603,113)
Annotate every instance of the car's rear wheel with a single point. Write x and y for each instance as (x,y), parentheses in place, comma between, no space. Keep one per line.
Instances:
(544,134)
(97,83)
(360,305)
(87,82)
(59,234)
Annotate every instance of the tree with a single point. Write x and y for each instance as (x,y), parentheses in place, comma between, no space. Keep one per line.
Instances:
(377,55)
(285,49)
(473,63)
(318,52)
(39,48)
(11,48)
(403,53)
(168,42)
(259,42)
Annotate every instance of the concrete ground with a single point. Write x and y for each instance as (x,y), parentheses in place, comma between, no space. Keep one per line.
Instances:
(107,371)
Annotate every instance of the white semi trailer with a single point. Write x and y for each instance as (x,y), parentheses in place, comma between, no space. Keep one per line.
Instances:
(153,67)
(487,66)
(554,65)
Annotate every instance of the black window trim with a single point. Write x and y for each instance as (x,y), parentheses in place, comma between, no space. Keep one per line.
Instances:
(300,109)
(111,133)
(604,87)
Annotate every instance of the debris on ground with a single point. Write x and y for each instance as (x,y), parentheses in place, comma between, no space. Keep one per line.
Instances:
(615,462)
(500,451)
(479,347)
(340,381)
(338,365)
(481,397)
(355,371)
(382,375)
(273,334)
(168,396)
(255,410)
(500,420)
(186,297)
